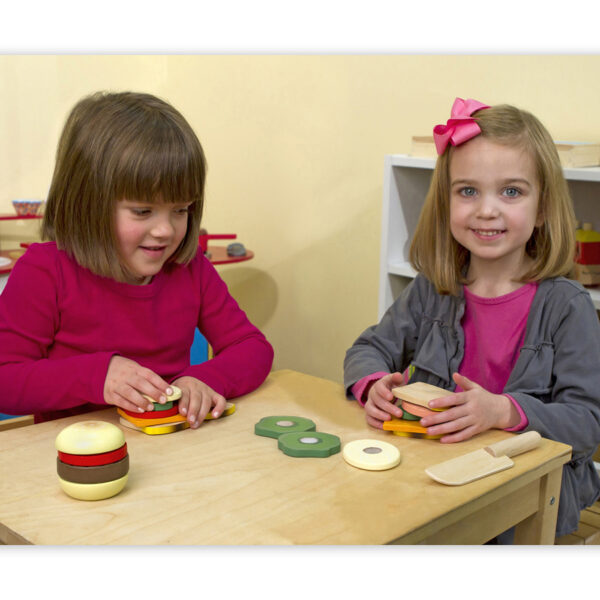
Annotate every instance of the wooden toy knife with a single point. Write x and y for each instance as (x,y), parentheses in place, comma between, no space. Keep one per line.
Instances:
(483,462)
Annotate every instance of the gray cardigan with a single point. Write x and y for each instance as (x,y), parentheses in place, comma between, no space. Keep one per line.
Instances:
(556,379)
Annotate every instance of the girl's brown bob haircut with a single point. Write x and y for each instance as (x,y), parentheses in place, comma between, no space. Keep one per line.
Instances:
(440,258)
(117,146)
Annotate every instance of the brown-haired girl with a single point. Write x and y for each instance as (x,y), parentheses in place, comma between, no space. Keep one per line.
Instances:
(106,310)
(490,315)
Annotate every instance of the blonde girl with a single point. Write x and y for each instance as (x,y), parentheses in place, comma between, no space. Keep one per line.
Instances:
(491,315)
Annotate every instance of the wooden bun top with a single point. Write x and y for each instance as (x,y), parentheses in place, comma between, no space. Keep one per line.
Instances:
(176,395)
(89,437)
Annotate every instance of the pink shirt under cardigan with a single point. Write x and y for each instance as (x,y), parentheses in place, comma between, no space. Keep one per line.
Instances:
(60,325)
(494,330)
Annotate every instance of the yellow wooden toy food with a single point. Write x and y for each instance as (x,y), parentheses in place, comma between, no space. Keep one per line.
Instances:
(92,462)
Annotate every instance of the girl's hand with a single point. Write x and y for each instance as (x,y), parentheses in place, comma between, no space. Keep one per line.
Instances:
(197,399)
(473,410)
(380,406)
(126,381)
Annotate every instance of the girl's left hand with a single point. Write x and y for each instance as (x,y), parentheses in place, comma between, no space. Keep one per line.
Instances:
(471,411)
(197,399)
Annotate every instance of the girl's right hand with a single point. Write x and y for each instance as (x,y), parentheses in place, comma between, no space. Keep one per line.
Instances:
(380,406)
(126,381)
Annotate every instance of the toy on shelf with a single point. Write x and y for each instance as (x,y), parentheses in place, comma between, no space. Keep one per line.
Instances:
(413,399)
(570,154)
(205,236)
(587,256)
(92,462)
(578,154)
(164,418)
(221,255)
(236,249)
(28,208)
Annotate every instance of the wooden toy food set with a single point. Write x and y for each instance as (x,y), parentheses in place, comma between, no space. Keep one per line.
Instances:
(165,418)
(298,437)
(92,462)
(414,399)
(587,257)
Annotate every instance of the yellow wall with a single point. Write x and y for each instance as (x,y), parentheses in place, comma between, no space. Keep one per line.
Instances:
(295,146)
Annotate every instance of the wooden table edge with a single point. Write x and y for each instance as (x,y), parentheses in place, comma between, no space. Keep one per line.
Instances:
(536,522)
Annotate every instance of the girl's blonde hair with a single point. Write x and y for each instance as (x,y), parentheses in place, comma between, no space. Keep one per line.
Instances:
(117,146)
(434,251)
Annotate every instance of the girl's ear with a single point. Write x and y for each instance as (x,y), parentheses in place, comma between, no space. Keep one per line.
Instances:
(539,220)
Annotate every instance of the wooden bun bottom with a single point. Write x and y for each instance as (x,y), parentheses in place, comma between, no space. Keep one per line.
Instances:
(93,491)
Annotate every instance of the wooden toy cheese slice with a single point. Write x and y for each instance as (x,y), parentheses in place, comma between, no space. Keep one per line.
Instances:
(156,429)
(416,435)
(401,425)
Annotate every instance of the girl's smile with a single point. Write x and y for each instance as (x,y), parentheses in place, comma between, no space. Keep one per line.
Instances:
(488,233)
(148,234)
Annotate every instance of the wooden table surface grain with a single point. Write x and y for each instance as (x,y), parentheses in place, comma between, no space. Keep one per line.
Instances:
(223,485)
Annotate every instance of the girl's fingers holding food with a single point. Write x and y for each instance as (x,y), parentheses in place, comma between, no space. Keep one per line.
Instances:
(219,403)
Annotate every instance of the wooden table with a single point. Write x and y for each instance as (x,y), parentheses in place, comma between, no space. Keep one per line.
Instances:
(222,484)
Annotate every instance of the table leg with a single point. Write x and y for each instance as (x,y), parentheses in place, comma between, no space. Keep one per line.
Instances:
(540,527)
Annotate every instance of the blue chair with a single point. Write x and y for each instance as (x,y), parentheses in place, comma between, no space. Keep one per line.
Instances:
(12,421)
(199,349)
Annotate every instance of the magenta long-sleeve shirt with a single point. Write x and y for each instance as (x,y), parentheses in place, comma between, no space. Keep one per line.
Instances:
(60,324)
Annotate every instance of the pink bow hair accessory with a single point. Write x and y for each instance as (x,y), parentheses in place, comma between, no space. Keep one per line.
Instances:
(460,127)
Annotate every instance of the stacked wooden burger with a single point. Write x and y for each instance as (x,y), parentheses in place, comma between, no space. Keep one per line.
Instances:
(413,399)
(165,418)
(92,461)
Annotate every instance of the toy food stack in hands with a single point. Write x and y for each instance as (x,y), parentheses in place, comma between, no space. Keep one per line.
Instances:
(165,418)
(413,399)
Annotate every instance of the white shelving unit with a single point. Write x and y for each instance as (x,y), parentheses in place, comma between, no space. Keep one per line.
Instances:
(405,184)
